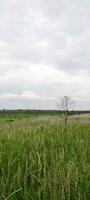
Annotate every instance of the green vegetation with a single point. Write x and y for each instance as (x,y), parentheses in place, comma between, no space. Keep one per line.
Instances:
(12,115)
(38,161)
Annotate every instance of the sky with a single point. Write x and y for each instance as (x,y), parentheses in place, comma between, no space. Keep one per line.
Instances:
(44,53)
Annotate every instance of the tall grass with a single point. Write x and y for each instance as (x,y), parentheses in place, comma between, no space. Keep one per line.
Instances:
(38,161)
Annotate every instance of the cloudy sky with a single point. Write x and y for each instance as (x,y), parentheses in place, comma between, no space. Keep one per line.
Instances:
(44,53)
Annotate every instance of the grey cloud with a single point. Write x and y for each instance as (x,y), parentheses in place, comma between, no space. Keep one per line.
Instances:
(46,33)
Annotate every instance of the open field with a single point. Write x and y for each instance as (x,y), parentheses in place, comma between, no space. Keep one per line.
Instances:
(38,161)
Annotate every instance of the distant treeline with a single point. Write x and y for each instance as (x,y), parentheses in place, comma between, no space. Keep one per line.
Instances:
(36,112)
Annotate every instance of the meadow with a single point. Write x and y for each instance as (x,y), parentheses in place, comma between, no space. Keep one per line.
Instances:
(39,161)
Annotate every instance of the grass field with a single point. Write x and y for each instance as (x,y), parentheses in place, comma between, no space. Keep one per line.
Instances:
(38,161)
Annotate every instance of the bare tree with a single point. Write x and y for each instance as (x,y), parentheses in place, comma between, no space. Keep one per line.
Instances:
(64,105)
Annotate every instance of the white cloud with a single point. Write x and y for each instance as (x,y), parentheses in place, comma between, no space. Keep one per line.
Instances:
(27,99)
(44,48)
(26,95)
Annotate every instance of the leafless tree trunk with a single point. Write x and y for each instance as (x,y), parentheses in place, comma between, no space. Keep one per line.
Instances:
(63,105)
